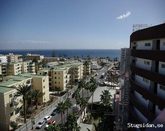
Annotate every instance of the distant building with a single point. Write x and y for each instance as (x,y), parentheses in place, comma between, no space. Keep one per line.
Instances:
(34,57)
(3,59)
(147,89)
(61,75)
(13,58)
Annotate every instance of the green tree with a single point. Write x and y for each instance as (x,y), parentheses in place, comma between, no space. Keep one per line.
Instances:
(53,128)
(61,109)
(72,72)
(81,86)
(36,95)
(68,105)
(23,90)
(92,88)
(106,98)
(72,123)
(86,64)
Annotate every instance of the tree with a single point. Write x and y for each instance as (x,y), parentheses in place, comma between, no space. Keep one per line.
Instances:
(53,128)
(36,94)
(68,105)
(72,123)
(72,72)
(14,125)
(86,64)
(23,90)
(92,88)
(106,98)
(61,109)
(82,86)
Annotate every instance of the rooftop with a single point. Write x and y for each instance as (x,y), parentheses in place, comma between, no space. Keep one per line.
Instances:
(98,92)
(4,89)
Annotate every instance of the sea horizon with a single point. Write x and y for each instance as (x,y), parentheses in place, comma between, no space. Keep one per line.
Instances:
(67,52)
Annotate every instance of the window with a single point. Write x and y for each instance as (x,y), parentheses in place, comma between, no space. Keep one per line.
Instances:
(162,65)
(10,95)
(54,77)
(147,44)
(162,87)
(145,80)
(43,80)
(54,72)
(146,62)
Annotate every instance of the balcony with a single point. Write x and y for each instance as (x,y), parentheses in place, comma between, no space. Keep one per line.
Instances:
(151,54)
(147,94)
(149,115)
(153,76)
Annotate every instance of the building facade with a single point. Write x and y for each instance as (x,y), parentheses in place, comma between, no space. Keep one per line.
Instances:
(147,81)
(11,104)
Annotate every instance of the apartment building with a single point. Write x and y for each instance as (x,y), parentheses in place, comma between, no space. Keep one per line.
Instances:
(13,58)
(34,57)
(41,83)
(14,68)
(147,81)
(58,78)
(11,104)
(61,75)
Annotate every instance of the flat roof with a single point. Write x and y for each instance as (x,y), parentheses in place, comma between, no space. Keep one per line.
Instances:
(8,83)
(98,92)
(5,89)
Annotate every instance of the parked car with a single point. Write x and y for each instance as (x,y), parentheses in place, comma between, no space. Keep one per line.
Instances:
(40,124)
(47,118)
(54,112)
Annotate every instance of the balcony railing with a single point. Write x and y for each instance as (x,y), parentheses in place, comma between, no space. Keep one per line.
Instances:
(147,94)
(149,54)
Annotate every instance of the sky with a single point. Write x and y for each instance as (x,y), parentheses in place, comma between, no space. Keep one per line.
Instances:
(74,24)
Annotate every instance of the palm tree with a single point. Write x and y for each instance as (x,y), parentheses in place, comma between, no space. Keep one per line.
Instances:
(86,64)
(23,90)
(68,105)
(72,123)
(81,86)
(36,94)
(61,109)
(72,72)
(92,88)
(106,98)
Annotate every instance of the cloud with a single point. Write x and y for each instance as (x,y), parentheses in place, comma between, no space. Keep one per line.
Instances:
(123,16)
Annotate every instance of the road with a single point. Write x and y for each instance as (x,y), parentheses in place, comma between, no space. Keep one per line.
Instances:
(57,117)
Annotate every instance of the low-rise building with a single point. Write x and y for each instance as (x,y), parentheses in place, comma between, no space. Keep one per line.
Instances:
(41,83)
(11,104)
(14,68)
(13,58)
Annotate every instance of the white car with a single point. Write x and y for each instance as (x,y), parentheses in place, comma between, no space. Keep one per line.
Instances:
(47,118)
(40,124)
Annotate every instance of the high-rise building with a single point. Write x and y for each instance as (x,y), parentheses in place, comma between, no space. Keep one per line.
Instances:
(147,80)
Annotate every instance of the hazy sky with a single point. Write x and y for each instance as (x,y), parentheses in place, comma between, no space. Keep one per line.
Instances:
(74,24)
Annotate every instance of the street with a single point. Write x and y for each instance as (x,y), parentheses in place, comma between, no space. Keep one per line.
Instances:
(57,117)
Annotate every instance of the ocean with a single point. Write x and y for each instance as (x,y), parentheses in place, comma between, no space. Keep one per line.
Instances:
(112,53)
